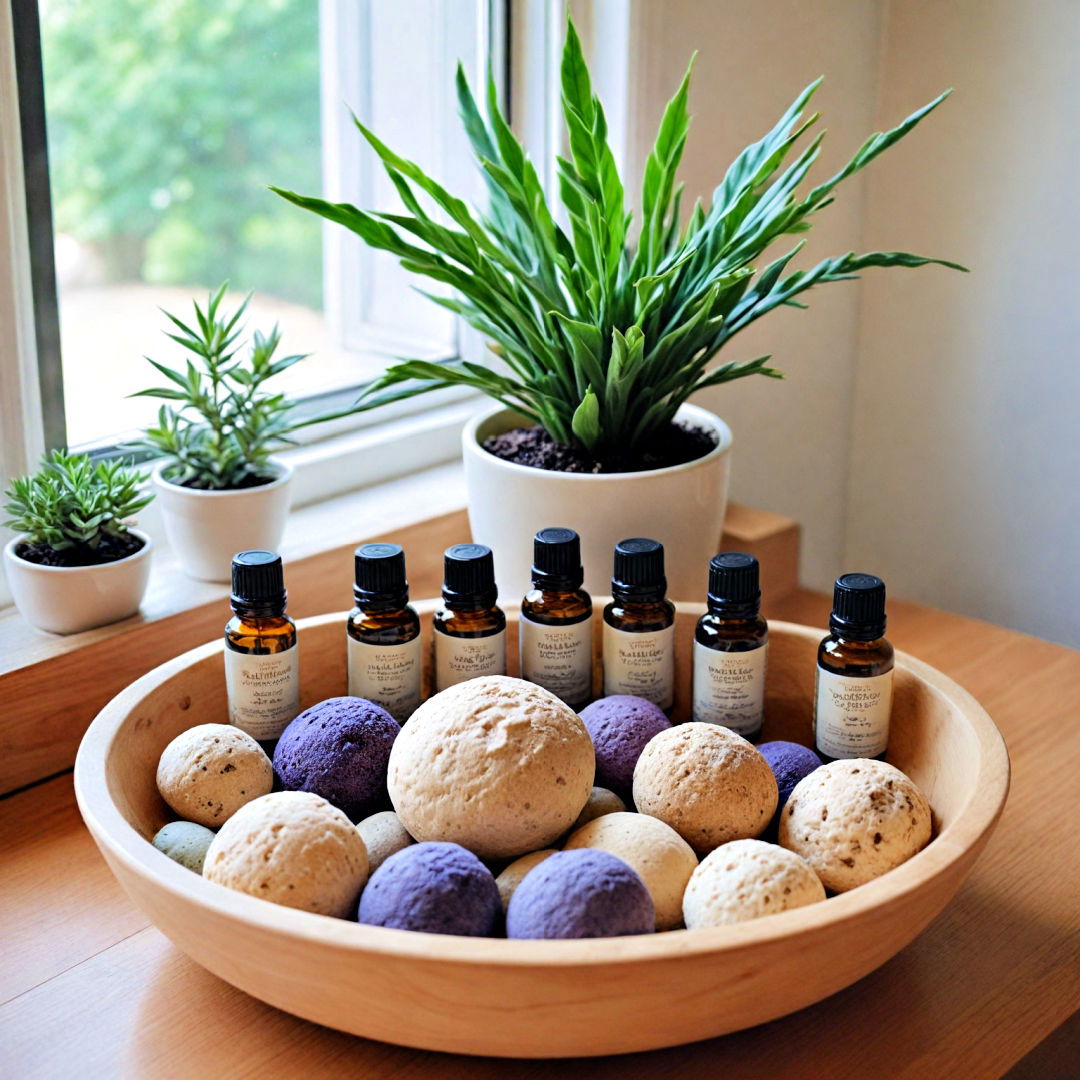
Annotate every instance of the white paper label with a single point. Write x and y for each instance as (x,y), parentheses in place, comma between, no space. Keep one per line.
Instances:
(729,688)
(459,659)
(851,715)
(263,689)
(640,664)
(389,675)
(558,658)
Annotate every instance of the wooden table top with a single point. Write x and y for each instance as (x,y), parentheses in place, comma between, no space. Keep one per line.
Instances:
(88,988)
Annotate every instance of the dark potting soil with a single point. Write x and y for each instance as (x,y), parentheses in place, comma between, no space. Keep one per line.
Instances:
(534,447)
(111,549)
(249,481)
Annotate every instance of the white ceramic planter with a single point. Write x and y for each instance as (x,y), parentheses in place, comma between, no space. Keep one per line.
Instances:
(68,599)
(682,506)
(207,528)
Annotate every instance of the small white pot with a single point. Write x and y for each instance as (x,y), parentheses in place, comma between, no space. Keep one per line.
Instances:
(682,506)
(207,528)
(68,599)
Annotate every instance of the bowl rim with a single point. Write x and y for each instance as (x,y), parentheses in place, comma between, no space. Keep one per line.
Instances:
(121,841)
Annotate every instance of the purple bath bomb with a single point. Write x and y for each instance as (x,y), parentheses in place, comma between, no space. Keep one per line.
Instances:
(434,887)
(583,893)
(339,749)
(620,726)
(790,762)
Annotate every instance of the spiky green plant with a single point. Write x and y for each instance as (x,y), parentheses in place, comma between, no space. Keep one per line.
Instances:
(605,333)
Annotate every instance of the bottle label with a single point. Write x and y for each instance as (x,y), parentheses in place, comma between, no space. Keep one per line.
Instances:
(851,715)
(729,688)
(558,658)
(459,659)
(264,691)
(642,664)
(389,675)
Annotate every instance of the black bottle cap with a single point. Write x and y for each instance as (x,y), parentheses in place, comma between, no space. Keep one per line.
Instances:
(639,569)
(557,559)
(258,583)
(734,582)
(469,576)
(858,607)
(380,574)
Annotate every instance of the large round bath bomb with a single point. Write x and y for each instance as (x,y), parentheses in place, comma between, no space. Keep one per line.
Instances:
(435,888)
(209,771)
(789,762)
(709,784)
(601,801)
(339,749)
(498,765)
(184,842)
(514,874)
(854,820)
(580,894)
(620,726)
(745,880)
(383,836)
(291,848)
(658,854)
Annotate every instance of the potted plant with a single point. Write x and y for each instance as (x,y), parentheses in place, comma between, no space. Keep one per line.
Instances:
(76,562)
(602,332)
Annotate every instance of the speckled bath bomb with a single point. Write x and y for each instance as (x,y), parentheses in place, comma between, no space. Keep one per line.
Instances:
(601,802)
(580,894)
(184,842)
(655,851)
(209,771)
(383,836)
(709,784)
(498,765)
(747,879)
(620,726)
(854,820)
(339,749)
(514,874)
(291,848)
(435,888)
(789,762)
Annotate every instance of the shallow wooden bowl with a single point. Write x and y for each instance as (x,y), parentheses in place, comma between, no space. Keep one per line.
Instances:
(542,998)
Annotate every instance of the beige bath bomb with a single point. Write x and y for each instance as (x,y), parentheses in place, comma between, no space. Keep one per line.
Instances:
(659,855)
(292,848)
(709,784)
(515,873)
(747,879)
(854,820)
(498,765)
(209,771)
(601,801)
(383,836)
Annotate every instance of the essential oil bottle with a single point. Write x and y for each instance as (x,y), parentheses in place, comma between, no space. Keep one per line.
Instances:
(639,625)
(555,625)
(470,629)
(383,633)
(853,696)
(731,643)
(262,665)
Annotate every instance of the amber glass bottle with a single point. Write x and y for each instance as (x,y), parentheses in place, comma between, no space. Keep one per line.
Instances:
(555,626)
(470,628)
(853,696)
(639,625)
(262,666)
(731,643)
(383,633)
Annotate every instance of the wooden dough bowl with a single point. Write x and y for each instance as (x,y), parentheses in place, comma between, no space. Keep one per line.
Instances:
(542,998)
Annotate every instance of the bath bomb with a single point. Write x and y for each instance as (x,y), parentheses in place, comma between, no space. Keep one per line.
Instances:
(435,888)
(790,762)
(498,765)
(383,836)
(620,726)
(854,820)
(184,842)
(747,879)
(514,874)
(656,852)
(209,771)
(339,749)
(601,801)
(709,784)
(580,894)
(292,848)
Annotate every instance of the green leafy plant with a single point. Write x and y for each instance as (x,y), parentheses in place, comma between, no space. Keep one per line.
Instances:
(72,502)
(604,333)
